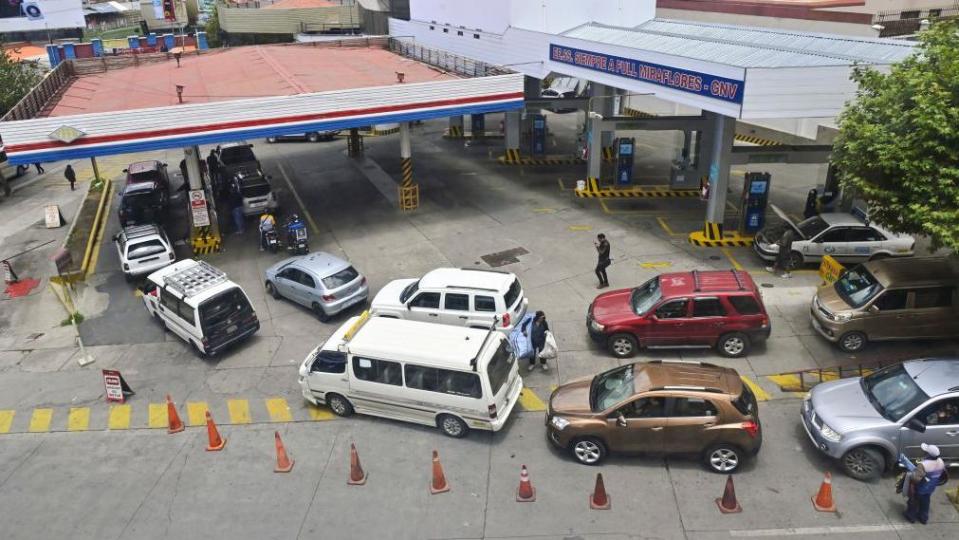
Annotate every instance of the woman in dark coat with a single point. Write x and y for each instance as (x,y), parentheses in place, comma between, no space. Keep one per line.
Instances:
(537,333)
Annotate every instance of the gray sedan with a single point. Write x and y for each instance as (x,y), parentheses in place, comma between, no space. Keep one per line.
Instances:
(324,283)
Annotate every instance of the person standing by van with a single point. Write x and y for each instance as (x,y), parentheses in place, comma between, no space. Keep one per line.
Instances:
(783,262)
(602,250)
(536,330)
(922,482)
(236,209)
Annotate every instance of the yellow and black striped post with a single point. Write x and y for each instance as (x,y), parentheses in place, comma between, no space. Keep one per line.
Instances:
(608,154)
(512,155)
(406,166)
(409,192)
(713,231)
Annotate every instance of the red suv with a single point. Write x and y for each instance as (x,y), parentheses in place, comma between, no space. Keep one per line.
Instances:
(721,309)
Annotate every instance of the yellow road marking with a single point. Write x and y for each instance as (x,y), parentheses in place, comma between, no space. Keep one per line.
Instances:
(732,259)
(279,410)
(529,401)
(662,223)
(6,420)
(299,201)
(320,413)
(656,264)
(158,416)
(40,421)
(95,252)
(580,227)
(119,417)
(137,293)
(196,412)
(239,411)
(544,210)
(78,419)
(761,395)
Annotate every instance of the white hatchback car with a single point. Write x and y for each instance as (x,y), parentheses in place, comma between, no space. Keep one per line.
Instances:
(848,238)
(143,249)
(471,297)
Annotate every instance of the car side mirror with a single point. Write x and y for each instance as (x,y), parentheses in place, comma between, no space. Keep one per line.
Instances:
(916,424)
(874,309)
(409,306)
(621,420)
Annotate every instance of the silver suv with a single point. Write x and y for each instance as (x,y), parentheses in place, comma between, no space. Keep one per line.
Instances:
(866,422)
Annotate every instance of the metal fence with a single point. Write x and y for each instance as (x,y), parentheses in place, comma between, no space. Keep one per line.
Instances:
(910,21)
(446,61)
(38,98)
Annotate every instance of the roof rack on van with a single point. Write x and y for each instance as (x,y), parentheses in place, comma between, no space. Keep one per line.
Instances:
(739,280)
(711,389)
(365,316)
(687,362)
(484,270)
(472,288)
(194,279)
(696,280)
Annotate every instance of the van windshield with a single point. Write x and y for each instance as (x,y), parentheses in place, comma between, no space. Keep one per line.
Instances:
(224,308)
(893,392)
(610,388)
(857,287)
(499,366)
(646,296)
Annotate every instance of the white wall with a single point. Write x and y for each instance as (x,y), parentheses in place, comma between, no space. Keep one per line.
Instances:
(551,16)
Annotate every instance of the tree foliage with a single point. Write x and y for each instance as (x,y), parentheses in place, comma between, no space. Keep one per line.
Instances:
(16,80)
(212,28)
(898,143)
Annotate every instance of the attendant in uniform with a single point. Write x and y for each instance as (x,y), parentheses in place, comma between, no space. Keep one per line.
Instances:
(922,482)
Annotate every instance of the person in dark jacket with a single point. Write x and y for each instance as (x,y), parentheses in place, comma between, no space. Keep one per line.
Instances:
(236,208)
(603,260)
(70,176)
(213,166)
(536,330)
(784,257)
(922,482)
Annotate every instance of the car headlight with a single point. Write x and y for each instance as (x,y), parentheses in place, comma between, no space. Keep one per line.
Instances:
(842,316)
(596,326)
(806,403)
(829,433)
(559,422)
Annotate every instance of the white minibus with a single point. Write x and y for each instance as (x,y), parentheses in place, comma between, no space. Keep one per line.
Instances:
(450,377)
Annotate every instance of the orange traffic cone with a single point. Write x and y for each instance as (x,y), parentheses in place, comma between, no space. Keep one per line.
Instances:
(526,491)
(174,424)
(216,442)
(283,462)
(357,474)
(823,500)
(599,500)
(438,485)
(727,503)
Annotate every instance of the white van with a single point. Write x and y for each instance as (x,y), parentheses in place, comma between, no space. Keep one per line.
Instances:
(200,304)
(446,376)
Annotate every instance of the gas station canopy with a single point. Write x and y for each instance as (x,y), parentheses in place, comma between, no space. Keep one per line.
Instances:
(247,92)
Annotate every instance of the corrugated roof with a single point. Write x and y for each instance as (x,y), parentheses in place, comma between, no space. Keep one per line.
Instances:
(746,46)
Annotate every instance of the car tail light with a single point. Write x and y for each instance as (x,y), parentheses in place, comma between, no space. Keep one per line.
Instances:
(328,297)
(750,427)
(506,320)
(765,321)
(492,411)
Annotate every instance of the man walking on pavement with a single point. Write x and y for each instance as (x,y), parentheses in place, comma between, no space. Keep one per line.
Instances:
(602,250)
(236,208)
(784,256)
(40,169)
(70,176)
(922,481)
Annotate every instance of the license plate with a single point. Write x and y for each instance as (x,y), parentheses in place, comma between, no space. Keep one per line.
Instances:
(300,234)
(230,329)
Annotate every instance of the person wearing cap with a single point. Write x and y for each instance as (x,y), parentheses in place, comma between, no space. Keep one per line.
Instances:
(923,480)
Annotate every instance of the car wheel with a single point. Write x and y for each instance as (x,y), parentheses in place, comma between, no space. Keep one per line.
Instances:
(271,139)
(723,458)
(622,345)
(863,463)
(313,137)
(733,345)
(339,405)
(588,450)
(452,426)
(879,257)
(796,260)
(320,314)
(852,342)
(271,290)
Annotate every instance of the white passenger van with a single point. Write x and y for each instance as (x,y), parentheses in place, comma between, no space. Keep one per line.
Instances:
(446,376)
(200,304)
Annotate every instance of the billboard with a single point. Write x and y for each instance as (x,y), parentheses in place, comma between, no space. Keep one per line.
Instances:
(30,15)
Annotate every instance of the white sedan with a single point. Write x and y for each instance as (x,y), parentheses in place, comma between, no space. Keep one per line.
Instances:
(845,237)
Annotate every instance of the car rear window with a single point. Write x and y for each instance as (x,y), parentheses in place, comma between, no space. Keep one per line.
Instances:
(340,278)
(234,155)
(499,367)
(745,305)
(145,176)
(512,295)
(217,310)
(260,189)
(746,402)
(145,249)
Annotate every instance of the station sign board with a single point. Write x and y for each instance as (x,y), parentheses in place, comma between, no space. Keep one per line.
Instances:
(30,15)
(201,217)
(117,388)
(694,82)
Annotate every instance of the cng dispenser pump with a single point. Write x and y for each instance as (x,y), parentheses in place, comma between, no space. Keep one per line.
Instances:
(537,134)
(752,215)
(625,147)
